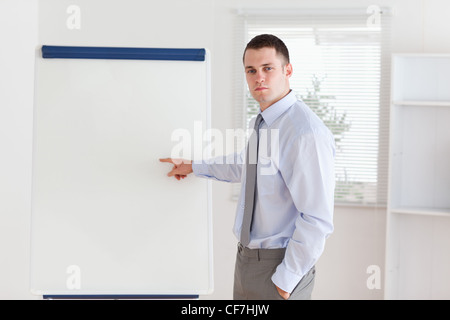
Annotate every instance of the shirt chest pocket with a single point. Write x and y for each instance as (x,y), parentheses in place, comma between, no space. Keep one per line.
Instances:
(267,175)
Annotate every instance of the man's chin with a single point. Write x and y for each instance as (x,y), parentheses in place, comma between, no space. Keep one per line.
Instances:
(260,98)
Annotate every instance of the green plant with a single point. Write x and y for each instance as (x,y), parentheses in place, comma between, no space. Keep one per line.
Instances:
(319,103)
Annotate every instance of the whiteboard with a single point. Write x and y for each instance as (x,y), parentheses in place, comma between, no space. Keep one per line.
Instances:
(106,219)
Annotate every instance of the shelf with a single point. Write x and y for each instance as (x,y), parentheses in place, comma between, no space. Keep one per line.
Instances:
(418,214)
(415,103)
(437,212)
(422,55)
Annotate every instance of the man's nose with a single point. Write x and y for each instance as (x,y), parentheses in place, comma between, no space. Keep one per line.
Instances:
(260,77)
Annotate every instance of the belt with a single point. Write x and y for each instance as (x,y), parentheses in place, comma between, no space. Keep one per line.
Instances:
(261,253)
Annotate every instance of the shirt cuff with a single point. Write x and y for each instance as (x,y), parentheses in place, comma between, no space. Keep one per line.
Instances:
(200,169)
(284,279)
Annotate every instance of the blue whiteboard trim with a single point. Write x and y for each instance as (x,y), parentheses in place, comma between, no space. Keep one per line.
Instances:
(64,52)
(117,297)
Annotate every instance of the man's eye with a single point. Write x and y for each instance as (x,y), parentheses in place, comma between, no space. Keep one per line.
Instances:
(251,71)
(268,68)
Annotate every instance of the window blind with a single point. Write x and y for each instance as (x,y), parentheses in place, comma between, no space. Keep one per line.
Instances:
(341,68)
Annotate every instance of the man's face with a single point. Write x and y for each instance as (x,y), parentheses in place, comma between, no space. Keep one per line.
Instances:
(267,75)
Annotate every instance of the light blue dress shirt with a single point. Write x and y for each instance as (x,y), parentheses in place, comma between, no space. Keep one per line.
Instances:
(295,187)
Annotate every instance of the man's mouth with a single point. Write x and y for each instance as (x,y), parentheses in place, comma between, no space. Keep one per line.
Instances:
(261,88)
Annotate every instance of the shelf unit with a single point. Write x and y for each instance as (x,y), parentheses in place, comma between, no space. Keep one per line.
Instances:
(418,215)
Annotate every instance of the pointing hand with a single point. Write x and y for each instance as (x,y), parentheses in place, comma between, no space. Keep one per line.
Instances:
(181,167)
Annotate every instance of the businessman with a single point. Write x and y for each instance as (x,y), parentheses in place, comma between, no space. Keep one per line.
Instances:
(285,210)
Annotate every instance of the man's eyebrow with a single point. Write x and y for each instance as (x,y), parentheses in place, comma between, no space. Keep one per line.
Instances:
(263,65)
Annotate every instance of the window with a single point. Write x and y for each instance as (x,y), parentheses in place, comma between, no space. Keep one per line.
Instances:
(341,71)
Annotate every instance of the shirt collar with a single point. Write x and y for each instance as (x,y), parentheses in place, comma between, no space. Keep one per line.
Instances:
(278,108)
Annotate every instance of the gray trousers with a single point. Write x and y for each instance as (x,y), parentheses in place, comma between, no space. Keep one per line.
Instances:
(253,272)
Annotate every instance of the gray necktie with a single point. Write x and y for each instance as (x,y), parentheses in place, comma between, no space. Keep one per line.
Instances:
(250,182)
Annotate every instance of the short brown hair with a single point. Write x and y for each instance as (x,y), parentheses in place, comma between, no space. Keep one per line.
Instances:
(268,41)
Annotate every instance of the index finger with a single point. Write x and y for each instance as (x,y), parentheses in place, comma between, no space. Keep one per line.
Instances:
(169,160)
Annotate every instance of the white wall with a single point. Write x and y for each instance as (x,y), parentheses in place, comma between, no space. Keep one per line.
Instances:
(359,237)
(18,31)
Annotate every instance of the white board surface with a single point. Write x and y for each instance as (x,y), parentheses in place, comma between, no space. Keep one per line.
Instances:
(106,219)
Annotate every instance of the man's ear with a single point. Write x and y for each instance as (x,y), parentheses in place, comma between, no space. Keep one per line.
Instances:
(288,70)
